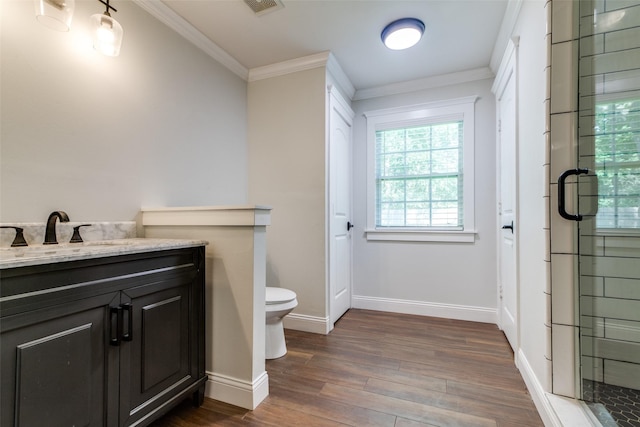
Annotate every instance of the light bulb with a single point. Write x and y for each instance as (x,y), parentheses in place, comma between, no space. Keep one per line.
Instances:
(403,38)
(105,34)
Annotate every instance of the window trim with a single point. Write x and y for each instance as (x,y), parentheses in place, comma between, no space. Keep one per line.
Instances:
(432,112)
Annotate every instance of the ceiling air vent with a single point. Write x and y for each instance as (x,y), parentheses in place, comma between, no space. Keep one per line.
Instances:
(260,7)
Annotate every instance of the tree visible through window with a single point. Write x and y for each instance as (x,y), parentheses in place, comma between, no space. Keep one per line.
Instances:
(617,141)
(419,176)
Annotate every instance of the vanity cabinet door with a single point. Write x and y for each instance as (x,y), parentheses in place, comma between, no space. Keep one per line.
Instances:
(157,362)
(57,365)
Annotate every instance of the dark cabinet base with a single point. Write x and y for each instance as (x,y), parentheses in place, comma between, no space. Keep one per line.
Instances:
(114,341)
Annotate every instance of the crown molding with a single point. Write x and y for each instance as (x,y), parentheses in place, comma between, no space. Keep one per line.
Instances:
(426,83)
(340,77)
(174,21)
(504,35)
(322,59)
(326,59)
(291,66)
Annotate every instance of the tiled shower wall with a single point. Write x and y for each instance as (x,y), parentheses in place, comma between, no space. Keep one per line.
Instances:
(562,28)
(612,289)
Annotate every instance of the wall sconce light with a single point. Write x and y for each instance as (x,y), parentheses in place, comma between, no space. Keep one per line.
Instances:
(107,32)
(403,33)
(55,14)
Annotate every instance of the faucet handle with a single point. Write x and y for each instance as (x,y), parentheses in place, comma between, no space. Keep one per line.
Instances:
(76,238)
(19,239)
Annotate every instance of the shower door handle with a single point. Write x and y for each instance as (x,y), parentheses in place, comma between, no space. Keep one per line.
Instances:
(561,193)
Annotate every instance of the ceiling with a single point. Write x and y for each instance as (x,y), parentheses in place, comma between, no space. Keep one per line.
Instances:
(460,34)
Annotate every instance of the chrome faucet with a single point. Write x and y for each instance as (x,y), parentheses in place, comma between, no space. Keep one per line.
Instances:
(50,233)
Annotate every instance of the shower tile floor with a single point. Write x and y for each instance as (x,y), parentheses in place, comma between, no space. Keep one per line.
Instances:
(614,406)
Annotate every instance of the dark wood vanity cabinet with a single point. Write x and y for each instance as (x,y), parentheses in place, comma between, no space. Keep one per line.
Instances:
(112,341)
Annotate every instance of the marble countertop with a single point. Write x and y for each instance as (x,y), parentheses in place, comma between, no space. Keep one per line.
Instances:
(63,252)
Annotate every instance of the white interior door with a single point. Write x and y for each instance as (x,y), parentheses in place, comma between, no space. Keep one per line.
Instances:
(507,198)
(340,123)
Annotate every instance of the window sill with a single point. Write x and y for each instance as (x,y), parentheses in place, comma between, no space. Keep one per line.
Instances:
(452,236)
(617,232)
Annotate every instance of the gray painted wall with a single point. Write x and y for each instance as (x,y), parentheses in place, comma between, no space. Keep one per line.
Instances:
(460,274)
(163,124)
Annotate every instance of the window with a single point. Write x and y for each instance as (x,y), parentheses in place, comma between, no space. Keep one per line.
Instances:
(617,141)
(420,172)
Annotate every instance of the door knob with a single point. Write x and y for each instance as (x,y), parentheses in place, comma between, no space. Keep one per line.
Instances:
(508,227)
(349,226)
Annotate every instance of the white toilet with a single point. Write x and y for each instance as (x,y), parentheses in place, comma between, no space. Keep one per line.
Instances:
(279,303)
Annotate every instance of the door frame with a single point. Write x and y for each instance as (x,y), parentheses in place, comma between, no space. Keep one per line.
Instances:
(508,69)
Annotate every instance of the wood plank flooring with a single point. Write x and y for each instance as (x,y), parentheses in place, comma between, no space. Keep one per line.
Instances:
(384,369)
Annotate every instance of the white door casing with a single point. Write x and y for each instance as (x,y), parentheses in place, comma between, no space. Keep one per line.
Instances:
(340,184)
(505,90)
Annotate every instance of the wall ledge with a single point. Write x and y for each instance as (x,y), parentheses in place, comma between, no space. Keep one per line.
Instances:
(222,216)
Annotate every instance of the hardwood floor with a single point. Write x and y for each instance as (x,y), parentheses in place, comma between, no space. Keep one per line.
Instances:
(384,369)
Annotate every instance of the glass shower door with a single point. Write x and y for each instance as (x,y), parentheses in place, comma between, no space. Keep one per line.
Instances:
(609,201)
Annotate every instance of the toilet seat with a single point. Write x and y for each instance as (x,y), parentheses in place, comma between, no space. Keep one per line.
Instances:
(279,295)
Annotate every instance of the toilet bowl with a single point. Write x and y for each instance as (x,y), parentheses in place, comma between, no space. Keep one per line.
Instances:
(279,303)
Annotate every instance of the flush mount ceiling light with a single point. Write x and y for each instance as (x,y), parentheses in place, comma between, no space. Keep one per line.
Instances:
(403,33)
(107,32)
(55,14)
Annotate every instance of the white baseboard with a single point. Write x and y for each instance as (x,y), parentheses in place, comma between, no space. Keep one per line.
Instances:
(555,411)
(302,322)
(322,325)
(449,311)
(237,392)
(537,392)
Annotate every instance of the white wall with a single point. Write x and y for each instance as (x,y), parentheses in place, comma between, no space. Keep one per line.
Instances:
(287,171)
(460,276)
(534,335)
(163,124)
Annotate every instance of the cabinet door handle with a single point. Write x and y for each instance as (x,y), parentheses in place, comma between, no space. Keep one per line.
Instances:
(118,312)
(129,309)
